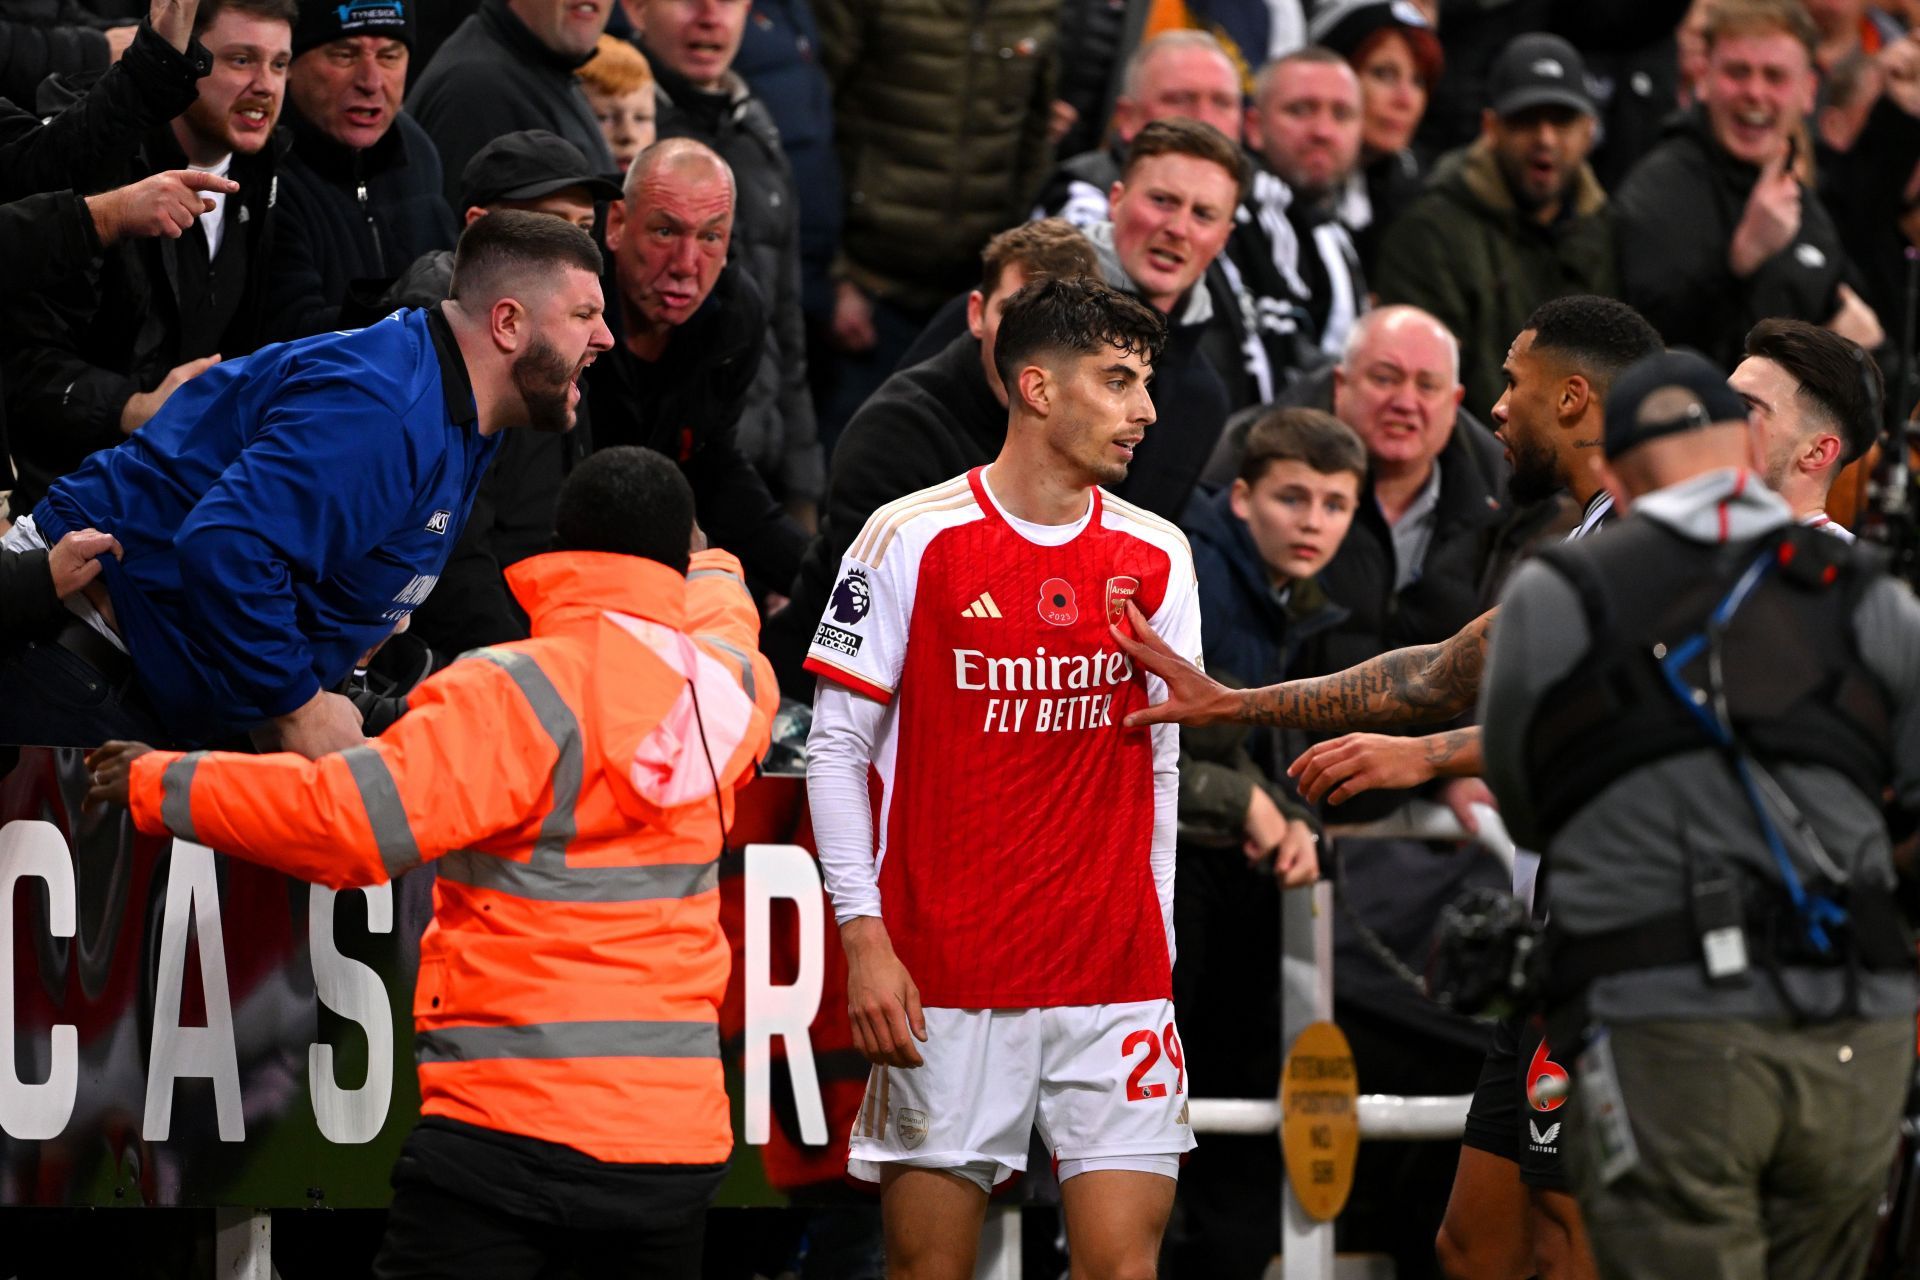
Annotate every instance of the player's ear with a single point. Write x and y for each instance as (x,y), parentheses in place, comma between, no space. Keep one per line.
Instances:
(1822,453)
(1036,390)
(1575,394)
(1240,497)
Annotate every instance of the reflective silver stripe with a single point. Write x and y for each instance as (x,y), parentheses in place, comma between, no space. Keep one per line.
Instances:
(176,810)
(580,884)
(569,1040)
(738,655)
(392,833)
(697,574)
(559,827)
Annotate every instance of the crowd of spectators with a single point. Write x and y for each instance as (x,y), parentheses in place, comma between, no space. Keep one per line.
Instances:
(812,212)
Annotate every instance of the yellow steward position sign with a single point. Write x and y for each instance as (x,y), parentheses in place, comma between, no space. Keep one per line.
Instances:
(1320,1119)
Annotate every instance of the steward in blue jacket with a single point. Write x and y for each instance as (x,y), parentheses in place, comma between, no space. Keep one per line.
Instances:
(280,515)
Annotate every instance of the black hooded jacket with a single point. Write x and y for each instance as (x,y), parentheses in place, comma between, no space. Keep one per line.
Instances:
(493,76)
(777,429)
(75,355)
(687,405)
(351,220)
(1675,216)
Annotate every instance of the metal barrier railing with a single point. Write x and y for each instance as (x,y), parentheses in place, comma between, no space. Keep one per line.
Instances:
(1306,996)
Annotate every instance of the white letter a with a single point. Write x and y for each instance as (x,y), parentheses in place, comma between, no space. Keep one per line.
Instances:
(193,896)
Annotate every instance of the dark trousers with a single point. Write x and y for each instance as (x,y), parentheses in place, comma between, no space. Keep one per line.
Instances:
(1763,1148)
(433,1235)
(53,697)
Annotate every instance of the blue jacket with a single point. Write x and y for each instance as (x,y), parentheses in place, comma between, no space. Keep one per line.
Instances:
(280,514)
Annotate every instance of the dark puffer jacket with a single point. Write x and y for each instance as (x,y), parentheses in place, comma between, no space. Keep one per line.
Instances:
(1465,252)
(351,220)
(776,429)
(942,109)
(88,144)
(1248,629)
(1675,217)
(41,38)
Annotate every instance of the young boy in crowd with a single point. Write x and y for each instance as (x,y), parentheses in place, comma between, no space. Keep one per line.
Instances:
(1257,547)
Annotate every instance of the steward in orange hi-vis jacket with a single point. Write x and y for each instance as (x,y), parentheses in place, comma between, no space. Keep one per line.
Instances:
(574,789)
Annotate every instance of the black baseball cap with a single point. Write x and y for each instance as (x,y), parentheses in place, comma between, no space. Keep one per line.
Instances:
(528,165)
(1665,394)
(1538,70)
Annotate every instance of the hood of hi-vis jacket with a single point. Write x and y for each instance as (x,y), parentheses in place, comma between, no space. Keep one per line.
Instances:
(573,788)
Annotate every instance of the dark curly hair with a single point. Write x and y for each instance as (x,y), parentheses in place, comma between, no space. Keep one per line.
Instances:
(1080,316)
(627,500)
(1838,380)
(1598,337)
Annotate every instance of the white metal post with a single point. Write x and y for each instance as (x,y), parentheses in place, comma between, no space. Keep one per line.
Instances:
(999,1246)
(1306,996)
(242,1245)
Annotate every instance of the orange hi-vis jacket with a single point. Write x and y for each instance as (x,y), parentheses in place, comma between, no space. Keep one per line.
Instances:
(573,787)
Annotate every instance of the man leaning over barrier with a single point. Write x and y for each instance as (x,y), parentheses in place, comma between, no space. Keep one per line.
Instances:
(573,790)
(283,513)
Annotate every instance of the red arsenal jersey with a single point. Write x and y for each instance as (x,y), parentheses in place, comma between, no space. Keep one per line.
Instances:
(1015,816)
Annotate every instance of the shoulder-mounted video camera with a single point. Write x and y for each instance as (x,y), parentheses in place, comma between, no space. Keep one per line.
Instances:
(1489,956)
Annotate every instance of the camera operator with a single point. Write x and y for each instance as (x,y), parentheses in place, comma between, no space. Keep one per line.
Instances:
(1695,716)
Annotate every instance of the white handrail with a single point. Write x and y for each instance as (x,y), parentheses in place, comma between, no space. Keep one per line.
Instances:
(1383,1116)
(1306,996)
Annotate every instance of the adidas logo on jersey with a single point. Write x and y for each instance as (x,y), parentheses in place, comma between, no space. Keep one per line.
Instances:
(984,607)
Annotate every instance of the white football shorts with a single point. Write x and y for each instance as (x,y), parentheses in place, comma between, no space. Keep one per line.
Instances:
(1106,1085)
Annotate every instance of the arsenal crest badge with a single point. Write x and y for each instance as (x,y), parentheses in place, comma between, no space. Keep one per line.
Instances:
(1119,591)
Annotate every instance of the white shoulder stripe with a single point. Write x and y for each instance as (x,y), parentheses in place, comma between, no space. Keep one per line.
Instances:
(888,520)
(962,504)
(888,510)
(1141,516)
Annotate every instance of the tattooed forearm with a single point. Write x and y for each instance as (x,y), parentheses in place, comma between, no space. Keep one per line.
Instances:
(1453,754)
(1407,686)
